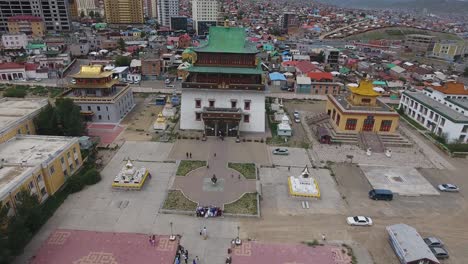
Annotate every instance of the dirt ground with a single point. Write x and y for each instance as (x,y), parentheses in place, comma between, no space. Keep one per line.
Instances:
(140,120)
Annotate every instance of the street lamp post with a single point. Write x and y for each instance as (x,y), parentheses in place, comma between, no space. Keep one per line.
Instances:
(171,237)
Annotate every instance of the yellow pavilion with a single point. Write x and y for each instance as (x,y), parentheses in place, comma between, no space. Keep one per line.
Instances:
(361,110)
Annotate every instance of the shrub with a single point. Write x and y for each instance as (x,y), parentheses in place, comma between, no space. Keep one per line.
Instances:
(75,184)
(19,92)
(92,176)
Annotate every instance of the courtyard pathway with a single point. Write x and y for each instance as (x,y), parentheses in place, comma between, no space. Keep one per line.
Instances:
(231,185)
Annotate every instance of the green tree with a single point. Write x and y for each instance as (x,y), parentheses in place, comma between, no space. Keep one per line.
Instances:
(68,115)
(16,91)
(27,207)
(62,120)
(122,61)
(121,44)
(91,14)
(143,34)
(46,122)
(465,72)
(5,253)
(97,17)
(82,14)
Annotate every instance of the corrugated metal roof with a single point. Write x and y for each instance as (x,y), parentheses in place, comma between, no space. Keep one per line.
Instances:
(409,245)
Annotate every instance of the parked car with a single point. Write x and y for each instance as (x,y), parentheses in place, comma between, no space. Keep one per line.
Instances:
(137,82)
(130,82)
(170,86)
(167,81)
(297,120)
(433,242)
(73,81)
(359,221)
(381,194)
(280,151)
(296,114)
(440,252)
(447,187)
(37,79)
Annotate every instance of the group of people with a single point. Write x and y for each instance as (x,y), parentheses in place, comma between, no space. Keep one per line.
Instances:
(208,211)
(183,255)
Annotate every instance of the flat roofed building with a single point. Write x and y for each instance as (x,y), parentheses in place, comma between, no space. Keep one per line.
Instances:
(409,246)
(361,111)
(446,117)
(101,97)
(39,164)
(17,116)
(421,43)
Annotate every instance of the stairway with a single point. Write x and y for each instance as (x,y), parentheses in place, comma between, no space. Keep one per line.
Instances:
(371,140)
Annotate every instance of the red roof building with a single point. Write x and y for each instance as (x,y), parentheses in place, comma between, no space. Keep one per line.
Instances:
(320,76)
(306,67)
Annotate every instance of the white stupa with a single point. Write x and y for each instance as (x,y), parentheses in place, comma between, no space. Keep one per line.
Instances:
(304,185)
(160,123)
(130,177)
(284,128)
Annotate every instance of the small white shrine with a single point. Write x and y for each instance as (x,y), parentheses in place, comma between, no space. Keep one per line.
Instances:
(303,185)
(284,128)
(130,177)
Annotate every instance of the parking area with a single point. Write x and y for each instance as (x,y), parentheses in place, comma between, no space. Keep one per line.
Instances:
(400,180)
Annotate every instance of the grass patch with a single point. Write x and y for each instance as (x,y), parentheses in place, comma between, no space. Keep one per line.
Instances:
(177,201)
(187,166)
(246,169)
(312,243)
(247,204)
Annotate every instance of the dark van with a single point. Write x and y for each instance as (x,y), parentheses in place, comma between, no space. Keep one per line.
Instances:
(381,194)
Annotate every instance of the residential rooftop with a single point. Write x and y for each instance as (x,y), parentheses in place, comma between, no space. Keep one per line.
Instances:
(33,150)
(13,111)
(461,102)
(437,107)
(13,176)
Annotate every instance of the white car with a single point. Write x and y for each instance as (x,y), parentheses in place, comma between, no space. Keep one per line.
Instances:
(73,81)
(447,187)
(359,221)
(167,81)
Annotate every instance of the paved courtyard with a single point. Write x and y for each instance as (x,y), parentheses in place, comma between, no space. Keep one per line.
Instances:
(231,185)
(106,132)
(263,253)
(88,247)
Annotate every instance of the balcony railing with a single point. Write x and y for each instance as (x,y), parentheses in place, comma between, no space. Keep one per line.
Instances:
(248,87)
(81,99)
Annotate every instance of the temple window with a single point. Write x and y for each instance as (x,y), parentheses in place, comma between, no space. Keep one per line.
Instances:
(233,103)
(385,125)
(197,103)
(197,116)
(246,105)
(351,124)
(366,100)
(211,103)
(246,118)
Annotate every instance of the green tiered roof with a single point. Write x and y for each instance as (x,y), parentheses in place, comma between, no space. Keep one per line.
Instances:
(228,40)
(232,70)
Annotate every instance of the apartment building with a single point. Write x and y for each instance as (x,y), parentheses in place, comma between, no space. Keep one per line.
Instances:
(204,15)
(54,13)
(124,11)
(29,25)
(166,10)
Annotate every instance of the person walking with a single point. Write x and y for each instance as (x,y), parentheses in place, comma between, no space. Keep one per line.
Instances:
(186,154)
(324,238)
(185,258)
(204,233)
(190,154)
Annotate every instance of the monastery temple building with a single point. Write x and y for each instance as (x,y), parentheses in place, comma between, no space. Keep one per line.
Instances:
(224,91)
(361,111)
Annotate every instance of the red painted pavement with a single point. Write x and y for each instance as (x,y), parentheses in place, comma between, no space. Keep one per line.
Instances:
(260,253)
(88,247)
(107,132)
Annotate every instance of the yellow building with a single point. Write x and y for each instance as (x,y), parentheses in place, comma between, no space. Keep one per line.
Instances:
(449,49)
(16,116)
(124,11)
(30,25)
(361,110)
(39,164)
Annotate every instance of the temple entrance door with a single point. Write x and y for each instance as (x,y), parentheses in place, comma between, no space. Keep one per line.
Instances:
(221,128)
(368,124)
(233,128)
(210,128)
